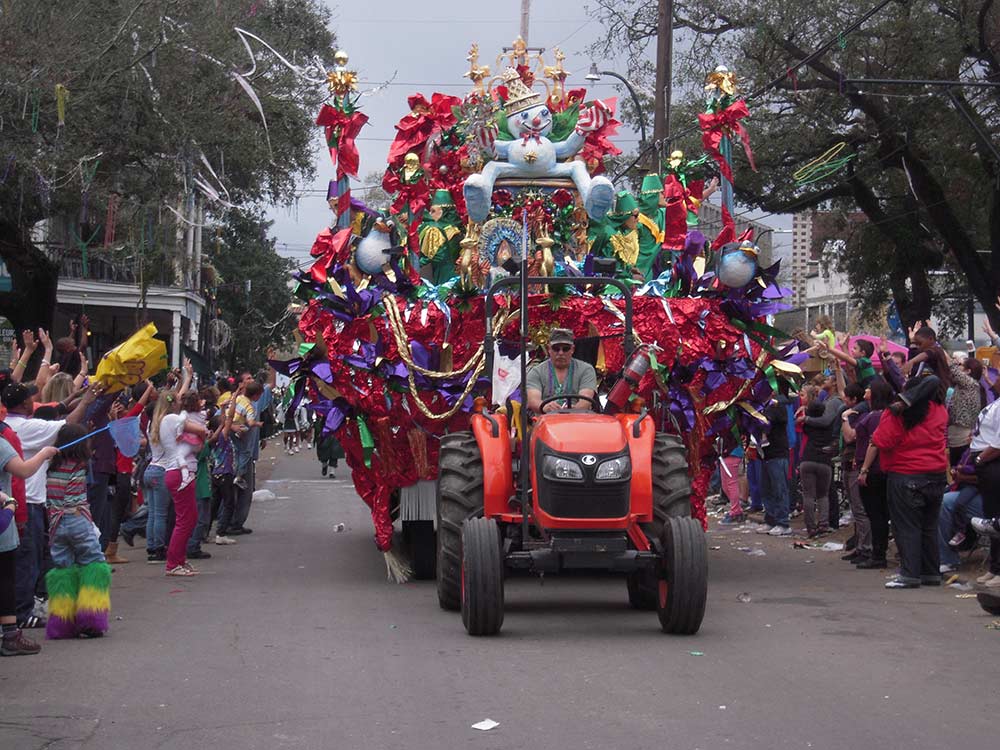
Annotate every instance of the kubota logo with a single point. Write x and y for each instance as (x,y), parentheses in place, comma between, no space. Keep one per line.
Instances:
(589,460)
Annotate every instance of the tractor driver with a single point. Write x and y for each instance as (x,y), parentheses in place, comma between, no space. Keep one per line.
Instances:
(560,374)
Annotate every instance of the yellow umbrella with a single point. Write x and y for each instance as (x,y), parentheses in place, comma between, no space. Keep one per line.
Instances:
(139,357)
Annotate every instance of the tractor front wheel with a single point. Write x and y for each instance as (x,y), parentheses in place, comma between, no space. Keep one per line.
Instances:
(671,499)
(683,585)
(460,497)
(482,577)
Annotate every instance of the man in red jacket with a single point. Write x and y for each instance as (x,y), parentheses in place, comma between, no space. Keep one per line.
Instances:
(913,452)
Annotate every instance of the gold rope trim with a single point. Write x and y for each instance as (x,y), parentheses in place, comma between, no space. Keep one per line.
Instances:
(476,363)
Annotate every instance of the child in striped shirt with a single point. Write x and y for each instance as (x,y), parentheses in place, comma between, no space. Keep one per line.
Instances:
(80,581)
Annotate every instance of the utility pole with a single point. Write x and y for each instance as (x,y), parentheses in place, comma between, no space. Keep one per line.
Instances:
(664,78)
(525,17)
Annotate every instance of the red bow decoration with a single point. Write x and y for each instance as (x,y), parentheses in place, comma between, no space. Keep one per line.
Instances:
(341,130)
(725,123)
(330,247)
(416,128)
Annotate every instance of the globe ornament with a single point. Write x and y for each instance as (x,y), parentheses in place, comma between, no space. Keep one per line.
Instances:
(737,264)
(375,249)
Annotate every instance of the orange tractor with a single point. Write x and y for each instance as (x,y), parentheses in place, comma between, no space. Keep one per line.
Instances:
(583,490)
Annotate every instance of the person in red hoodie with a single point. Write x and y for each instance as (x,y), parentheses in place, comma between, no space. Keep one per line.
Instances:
(912,442)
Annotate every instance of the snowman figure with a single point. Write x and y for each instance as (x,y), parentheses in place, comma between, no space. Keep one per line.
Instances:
(531,154)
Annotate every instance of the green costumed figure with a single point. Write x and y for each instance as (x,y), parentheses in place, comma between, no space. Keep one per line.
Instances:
(652,214)
(623,241)
(440,235)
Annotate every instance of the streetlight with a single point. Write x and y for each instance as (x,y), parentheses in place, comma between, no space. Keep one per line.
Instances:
(595,75)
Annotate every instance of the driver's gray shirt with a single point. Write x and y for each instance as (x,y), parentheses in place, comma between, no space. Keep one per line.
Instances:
(584,377)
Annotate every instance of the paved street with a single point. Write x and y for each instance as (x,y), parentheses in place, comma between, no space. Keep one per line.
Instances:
(293,638)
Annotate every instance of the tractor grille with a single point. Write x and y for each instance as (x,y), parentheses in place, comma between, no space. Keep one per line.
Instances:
(584,500)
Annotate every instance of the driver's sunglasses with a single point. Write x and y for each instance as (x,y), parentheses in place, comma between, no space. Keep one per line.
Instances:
(561,348)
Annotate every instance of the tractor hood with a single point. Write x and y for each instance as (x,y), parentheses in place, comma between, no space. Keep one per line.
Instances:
(581,432)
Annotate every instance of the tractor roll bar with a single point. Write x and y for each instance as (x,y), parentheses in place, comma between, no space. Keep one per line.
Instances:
(580,281)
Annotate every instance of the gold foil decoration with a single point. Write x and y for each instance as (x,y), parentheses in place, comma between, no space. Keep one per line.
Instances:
(626,247)
(722,80)
(341,81)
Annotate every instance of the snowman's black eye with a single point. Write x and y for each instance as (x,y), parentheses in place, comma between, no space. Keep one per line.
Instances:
(545,113)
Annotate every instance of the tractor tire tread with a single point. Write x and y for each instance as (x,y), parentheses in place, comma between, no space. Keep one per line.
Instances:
(482,599)
(671,499)
(686,561)
(460,497)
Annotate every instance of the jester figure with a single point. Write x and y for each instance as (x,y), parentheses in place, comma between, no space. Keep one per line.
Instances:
(533,155)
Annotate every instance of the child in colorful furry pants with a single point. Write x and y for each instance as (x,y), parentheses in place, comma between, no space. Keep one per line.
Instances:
(79,585)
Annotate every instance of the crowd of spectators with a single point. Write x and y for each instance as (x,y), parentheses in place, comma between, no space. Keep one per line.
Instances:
(909,440)
(70,495)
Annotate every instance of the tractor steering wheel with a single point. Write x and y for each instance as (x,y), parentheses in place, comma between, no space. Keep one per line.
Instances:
(595,405)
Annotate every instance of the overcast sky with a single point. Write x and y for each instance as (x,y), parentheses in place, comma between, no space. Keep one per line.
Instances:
(422,47)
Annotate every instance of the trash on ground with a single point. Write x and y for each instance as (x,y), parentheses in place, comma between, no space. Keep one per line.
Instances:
(486,725)
(757,553)
(965,596)
(339,527)
(743,549)
(801,545)
(951,579)
(744,597)
(722,708)
(263,495)
(995,625)
(961,586)
(807,562)
(832,546)
(697,653)
(394,627)
(715,547)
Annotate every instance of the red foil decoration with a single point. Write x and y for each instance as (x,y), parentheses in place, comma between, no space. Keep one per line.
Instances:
(725,123)
(341,129)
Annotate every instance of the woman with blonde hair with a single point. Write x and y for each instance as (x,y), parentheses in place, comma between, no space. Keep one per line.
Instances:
(154,491)
(58,389)
(165,429)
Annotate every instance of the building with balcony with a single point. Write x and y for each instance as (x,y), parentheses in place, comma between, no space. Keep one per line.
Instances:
(121,294)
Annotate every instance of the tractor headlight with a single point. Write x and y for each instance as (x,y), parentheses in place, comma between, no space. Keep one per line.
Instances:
(561,469)
(615,468)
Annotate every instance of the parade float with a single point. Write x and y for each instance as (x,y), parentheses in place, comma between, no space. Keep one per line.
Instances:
(393,355)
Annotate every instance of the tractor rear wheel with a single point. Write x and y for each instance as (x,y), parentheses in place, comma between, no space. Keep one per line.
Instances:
(683,586)
(482,577)
(460,497)
(418,536)
(671,499)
